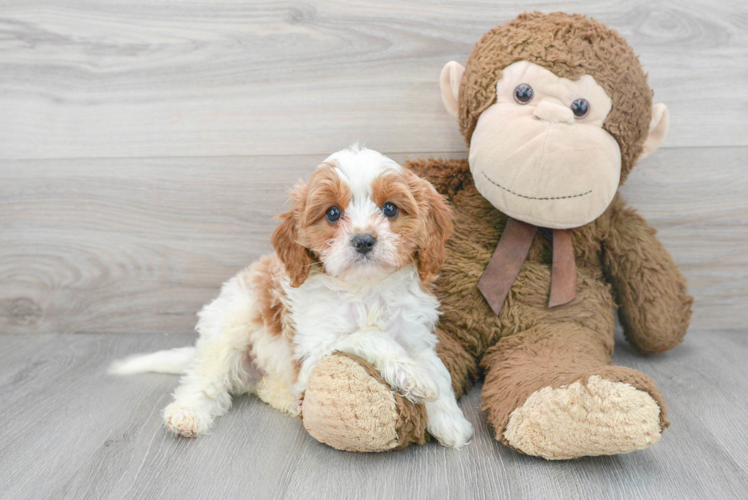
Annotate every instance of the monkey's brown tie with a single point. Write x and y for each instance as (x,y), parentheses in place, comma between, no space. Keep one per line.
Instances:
(511,253)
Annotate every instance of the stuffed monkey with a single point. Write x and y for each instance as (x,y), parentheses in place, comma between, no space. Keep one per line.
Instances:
(556,110)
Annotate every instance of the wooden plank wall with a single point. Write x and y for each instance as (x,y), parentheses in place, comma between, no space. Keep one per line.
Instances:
(145,147)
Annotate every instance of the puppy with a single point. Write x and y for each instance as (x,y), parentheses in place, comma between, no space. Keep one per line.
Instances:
(352,271)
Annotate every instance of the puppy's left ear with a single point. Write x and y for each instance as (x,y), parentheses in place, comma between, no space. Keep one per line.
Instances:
(437,218)
(295,257)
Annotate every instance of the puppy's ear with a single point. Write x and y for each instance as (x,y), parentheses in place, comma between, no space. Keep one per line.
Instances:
(295,257)
(437,219)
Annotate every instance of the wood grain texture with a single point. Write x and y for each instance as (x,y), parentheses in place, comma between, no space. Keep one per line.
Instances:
(103,79)
(144,149)
(70,431)
(139,245)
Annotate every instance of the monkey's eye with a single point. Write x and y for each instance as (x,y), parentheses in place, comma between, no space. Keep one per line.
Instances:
(580,108)
(523,93)
(333,214)
(390,210)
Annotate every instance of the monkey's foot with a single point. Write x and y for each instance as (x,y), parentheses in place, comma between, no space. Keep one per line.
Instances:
(601,417)
(348,406)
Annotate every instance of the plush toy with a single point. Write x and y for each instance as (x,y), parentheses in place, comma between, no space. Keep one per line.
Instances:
(555,109)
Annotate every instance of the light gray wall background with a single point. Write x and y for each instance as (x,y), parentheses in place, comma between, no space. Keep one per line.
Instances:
(145,147)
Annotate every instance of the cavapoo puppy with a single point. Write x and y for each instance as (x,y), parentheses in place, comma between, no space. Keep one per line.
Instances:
(352,270)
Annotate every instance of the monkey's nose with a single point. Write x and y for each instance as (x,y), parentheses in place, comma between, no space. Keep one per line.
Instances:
(363,242)
(555,113)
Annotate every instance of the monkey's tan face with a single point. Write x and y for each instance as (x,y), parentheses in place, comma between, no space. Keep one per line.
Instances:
(540,154)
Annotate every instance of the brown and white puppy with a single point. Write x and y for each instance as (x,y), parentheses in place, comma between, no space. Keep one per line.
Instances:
(353,261)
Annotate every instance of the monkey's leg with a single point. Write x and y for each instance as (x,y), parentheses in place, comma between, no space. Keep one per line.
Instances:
(552,392)
(348,406)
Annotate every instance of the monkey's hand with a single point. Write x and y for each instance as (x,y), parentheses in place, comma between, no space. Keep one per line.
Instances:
(650,289)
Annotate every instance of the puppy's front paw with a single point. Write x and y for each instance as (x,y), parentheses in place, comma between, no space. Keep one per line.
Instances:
(412,382)
(451,429)
(185,421)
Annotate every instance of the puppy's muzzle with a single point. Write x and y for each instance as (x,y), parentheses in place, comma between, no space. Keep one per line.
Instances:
(363,242)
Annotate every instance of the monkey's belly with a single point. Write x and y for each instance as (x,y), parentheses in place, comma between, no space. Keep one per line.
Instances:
(467,315)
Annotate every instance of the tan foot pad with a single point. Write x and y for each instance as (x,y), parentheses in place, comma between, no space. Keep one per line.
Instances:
(603,418)
(349,407)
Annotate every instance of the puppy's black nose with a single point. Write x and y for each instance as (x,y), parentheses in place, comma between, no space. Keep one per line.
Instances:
(363,242)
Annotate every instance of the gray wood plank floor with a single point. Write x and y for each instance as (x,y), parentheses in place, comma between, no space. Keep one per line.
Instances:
(71,431)
(145,147)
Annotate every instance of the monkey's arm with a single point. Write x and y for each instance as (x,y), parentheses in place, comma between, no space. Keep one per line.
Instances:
(462,367)
(655,307)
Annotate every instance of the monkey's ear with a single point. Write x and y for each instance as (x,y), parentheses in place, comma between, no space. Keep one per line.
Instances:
(450,83)
(657,130)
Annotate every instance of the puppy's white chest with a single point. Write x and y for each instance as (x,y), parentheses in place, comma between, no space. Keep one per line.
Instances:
(373,318)
(347,313)
(322,310)
(372,314)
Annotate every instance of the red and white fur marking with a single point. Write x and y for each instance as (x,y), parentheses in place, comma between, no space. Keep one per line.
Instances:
(317,294)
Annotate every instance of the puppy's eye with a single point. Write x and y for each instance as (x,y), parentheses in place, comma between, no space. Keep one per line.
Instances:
(580,108)
(523,93)
(333,214)
(390,210)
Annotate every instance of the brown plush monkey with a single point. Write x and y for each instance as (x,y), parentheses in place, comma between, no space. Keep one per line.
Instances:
(555,109)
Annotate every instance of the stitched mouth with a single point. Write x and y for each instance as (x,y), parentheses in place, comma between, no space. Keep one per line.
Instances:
(534,197)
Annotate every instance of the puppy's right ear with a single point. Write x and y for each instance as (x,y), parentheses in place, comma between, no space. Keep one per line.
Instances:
(295,257)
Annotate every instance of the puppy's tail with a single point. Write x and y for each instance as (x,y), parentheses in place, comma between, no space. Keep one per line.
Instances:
(169,361)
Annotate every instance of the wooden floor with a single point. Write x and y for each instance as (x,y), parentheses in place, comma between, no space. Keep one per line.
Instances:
(145,147)
(71,431)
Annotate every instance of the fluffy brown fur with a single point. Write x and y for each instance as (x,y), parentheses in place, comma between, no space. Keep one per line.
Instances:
(554,347)
(437,226)
(569,46)
(424,221)
(271,310)
(530,347)
(304,228)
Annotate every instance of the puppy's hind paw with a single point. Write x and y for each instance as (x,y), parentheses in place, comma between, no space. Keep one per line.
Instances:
(184,421)
(277,394)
